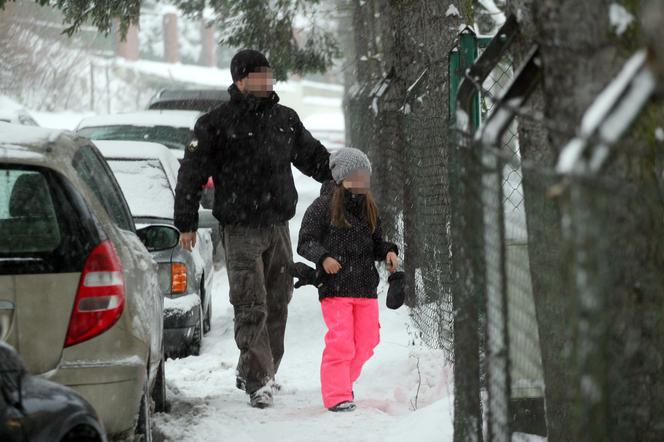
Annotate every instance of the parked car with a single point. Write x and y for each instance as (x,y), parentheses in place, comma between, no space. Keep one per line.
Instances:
(80,291)
(172,128)
(12,112)
(147,174)
(203,100)
(33,409)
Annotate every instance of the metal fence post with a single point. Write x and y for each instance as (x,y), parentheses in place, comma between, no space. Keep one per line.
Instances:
(467,398)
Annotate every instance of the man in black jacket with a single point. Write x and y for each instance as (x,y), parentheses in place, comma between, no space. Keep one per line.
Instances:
(248,145)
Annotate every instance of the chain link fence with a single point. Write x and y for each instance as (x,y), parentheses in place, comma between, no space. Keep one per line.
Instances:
(558,326)
(541,277)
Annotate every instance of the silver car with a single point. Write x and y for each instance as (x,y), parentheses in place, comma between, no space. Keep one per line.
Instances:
(147,174)
(79,291)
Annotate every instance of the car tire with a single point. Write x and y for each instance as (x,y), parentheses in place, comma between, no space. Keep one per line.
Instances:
(144,424)
(159,390)
(195,346)
(82,433)
(207,325)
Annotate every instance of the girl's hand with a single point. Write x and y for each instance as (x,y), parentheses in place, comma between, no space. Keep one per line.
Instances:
(392,262)
(331,265)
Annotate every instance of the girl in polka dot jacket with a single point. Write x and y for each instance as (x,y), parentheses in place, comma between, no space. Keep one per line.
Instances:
(341,233)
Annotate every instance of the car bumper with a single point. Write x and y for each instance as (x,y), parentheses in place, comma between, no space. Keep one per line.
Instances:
(112,388)
(181,317)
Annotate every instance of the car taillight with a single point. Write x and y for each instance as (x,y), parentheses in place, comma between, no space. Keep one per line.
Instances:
(100,297)
(209,184)
(178,278)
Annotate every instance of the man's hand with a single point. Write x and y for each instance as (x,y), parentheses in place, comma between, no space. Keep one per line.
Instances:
(188,240)
(392,262)
(331,266)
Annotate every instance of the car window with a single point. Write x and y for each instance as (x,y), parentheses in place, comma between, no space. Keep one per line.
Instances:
(92,169)
(145,186)
(28,221)
(176,138)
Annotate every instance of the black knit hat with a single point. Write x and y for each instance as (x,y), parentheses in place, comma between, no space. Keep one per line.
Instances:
(247,61)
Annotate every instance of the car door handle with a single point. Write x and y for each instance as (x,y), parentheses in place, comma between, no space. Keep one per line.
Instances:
(6,315)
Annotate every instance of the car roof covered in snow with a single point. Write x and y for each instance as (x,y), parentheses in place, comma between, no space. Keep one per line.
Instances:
(141,150)
(148,118)
(36,137)
(39,146)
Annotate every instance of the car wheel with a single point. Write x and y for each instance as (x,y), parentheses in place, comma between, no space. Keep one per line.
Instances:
(82,433)
(195,346)
(208,319)
(144,424)
(159,391)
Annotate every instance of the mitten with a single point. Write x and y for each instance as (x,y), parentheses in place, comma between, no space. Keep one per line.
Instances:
(396,293)
(304,274)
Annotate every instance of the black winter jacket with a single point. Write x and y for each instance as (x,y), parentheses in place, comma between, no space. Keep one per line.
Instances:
(247,146)
(356,248)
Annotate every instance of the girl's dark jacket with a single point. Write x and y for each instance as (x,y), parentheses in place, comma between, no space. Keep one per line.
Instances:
(356,248)
(247,146)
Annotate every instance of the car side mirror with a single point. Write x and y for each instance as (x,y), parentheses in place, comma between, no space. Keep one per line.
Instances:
(206,220)
(159,237)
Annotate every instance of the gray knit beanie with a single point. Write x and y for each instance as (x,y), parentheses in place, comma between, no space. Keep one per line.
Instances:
(347,160)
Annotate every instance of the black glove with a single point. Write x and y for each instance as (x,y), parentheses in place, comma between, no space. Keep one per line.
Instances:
(305,275)
(396,293)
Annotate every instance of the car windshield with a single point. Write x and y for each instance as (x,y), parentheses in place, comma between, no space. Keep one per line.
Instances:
(172,137)
(145,187)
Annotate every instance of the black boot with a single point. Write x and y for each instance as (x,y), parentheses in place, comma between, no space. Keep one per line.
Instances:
(343,407)
(241,383)
(261,398)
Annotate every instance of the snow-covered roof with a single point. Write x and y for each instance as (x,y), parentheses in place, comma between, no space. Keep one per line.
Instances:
(138,150)
(150,118)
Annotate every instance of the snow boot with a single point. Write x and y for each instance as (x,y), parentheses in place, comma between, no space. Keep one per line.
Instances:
(241,383)
(261,398)
(343,407)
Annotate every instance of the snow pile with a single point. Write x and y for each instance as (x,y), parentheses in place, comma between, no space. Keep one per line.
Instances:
(620,18)
(403,393)
(178,73)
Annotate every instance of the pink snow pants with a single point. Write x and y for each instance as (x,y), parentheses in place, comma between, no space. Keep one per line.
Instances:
(353,333)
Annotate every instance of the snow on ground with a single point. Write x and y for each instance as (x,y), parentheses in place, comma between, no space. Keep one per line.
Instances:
(206,406)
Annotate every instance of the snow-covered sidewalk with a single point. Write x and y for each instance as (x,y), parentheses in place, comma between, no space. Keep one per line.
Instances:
(206,406)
